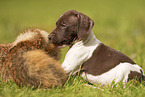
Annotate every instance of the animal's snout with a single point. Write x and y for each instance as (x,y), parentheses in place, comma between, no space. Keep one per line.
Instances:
(50,36)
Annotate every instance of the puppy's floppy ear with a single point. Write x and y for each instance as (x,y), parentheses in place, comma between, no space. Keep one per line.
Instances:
(85,25)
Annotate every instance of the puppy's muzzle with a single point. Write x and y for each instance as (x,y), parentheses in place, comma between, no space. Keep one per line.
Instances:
(50,37)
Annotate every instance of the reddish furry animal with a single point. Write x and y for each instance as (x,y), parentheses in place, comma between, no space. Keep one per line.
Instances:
(4,49)
(32,61)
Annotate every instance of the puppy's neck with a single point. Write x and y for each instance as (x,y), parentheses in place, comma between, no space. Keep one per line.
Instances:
(89,40)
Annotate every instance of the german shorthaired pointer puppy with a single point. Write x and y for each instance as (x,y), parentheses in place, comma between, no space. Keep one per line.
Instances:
(100,64)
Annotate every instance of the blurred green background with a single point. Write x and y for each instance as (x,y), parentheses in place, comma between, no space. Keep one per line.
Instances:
(118,23)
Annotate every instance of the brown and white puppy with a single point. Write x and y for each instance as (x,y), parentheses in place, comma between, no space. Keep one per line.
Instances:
(32,61)
(99,63)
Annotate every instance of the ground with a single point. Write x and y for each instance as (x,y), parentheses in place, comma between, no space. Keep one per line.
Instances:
(119,24)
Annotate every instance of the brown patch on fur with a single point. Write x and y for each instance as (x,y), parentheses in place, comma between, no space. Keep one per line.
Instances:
(103,59)
(136,75)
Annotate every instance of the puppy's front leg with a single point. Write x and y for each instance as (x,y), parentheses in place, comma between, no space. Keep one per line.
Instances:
(73,60)
(69,65)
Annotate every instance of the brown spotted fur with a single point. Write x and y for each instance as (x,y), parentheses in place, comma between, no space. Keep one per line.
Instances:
(4,49)
(34,63)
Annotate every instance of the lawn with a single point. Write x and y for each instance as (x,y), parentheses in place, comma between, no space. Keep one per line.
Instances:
(118,23)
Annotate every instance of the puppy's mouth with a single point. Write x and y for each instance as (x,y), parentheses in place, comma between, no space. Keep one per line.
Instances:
(56,44)
(65,43)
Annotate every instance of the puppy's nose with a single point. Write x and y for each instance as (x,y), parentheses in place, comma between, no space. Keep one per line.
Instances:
(49,37)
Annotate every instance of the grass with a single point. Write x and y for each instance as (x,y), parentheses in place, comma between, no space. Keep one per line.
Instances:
(119,24)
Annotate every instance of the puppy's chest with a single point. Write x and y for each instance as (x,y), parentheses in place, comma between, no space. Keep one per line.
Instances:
(80,54)
(103,59)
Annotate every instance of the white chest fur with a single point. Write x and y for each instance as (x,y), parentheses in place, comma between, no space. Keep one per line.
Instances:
(79,53)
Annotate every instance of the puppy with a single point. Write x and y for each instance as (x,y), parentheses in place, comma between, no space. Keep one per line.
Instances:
(32,61)
(100,64)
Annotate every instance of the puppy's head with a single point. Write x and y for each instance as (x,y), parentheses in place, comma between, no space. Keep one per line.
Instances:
(71,26)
